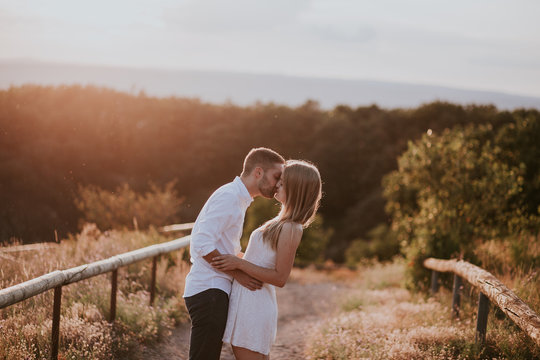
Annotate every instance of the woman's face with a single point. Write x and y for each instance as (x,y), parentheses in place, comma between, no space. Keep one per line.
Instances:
(280,194)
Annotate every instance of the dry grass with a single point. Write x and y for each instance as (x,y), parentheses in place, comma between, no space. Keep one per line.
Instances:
(25,328)
(498,257)
(382,320)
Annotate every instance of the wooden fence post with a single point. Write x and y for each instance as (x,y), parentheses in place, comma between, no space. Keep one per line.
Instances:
(434,282)
(481,322)
(55,337)
(456,296)
(153,282)
(114,287)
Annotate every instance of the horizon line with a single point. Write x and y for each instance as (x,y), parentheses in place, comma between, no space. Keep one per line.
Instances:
(31,61)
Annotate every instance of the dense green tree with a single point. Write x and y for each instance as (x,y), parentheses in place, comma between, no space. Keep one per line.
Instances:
(454,190)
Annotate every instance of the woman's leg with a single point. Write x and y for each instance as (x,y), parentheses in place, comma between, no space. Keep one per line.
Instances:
(241,353)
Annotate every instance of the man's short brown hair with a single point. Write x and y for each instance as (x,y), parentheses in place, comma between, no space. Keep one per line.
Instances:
(261,157)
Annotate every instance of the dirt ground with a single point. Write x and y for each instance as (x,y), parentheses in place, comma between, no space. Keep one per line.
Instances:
(307,298)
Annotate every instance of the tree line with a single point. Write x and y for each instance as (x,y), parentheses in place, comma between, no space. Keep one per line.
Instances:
(53,140)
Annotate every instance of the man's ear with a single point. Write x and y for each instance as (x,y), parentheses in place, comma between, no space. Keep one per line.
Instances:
(258,172)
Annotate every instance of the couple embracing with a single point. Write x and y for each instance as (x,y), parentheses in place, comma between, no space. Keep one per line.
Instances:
(231,296)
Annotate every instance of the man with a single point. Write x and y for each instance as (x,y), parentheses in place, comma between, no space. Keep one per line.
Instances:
(217,230)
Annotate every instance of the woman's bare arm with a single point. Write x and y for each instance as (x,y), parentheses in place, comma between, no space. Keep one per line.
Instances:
(244,279)
(288,242)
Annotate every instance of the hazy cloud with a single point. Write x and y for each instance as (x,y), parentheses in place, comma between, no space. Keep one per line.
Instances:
(356,34)
(234,16)
(486,44)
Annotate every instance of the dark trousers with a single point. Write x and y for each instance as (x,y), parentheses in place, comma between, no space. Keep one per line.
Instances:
(208,312)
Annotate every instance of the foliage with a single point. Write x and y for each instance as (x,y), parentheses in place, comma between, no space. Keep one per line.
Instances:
(314,242)
(260,211)
(314,239)
(53,139)
(124,207)
(382,245)
(455,190)
(519,146)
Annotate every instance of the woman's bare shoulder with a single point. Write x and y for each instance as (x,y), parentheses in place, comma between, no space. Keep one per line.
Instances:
(293,229)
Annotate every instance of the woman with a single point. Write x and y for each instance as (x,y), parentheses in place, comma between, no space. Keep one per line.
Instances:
(252,321)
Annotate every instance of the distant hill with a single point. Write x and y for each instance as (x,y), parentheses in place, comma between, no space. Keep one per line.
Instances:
(245,89)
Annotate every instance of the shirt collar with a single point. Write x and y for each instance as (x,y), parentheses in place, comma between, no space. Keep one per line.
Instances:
(245,197)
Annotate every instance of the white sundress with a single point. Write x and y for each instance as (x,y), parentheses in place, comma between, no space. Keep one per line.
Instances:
(252,319)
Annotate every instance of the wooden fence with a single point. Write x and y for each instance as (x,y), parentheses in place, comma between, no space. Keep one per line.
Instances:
(177,227)
(56,279)
(491,289)
(29,247)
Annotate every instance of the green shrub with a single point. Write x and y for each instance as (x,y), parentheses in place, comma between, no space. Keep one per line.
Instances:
(456,190)
(124,208)
(314,243)
(314,240)
(260,211)
(382,244)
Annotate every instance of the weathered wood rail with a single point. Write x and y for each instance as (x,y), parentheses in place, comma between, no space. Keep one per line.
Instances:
(59,278)
(30,247)
(177,227)
(491,289)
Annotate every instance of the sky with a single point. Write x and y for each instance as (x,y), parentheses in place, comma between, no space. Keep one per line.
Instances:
(469,44)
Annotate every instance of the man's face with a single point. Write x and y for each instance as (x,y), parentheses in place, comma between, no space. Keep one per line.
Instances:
(268,183)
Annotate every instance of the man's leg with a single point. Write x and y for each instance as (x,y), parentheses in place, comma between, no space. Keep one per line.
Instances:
(208,312)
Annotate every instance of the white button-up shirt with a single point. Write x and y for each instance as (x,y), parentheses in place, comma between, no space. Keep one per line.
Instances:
(218,227)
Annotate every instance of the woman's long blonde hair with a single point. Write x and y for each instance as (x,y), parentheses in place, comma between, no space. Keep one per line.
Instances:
(303,192)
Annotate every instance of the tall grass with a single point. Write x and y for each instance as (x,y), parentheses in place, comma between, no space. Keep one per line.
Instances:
(380,319)
(25,328)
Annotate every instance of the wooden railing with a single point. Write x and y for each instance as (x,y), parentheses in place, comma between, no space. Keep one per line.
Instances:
(177,227)
(29,247)
(491,289)
(56,279)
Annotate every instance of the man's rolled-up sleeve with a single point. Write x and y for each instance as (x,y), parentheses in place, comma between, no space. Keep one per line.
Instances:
(212,224)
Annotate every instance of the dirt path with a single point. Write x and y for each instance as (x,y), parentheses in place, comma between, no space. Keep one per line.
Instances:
(302,303)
